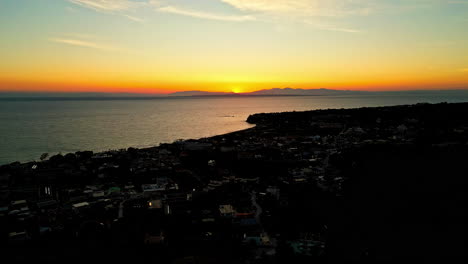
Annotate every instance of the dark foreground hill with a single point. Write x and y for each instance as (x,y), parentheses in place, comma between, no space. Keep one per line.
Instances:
(403,199)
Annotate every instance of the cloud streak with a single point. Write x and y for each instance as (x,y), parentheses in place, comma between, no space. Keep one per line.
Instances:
(205,15)
(326,12)
(267,10)
(83,44)
(319,14)
(305,8)
(107,5)
(136,19)
(123,6)
(113,6)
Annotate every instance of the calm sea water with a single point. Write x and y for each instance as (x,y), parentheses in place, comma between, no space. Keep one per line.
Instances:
(29,128)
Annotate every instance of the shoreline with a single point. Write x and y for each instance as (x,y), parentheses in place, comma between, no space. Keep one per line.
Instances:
(229,134)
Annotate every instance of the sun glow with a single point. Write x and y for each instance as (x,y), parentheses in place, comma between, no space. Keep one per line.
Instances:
(236,90)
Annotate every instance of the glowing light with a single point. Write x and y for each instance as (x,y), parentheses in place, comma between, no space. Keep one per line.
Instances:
(237,90)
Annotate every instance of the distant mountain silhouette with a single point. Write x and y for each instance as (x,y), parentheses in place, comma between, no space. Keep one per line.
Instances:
(198,93)
(272,92)
(291,91)
(5,96)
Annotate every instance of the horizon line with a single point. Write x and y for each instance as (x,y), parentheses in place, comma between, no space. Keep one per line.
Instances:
(136,93)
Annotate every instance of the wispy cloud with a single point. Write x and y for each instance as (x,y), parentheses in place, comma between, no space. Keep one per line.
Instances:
(134,18)
(319,14)
(84,44)
(334,8)
(205,15)
(305,8)
(264,10)
(331,13)
(107,5)
(121,7)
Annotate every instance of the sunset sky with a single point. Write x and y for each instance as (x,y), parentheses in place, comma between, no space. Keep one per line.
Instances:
(160,46)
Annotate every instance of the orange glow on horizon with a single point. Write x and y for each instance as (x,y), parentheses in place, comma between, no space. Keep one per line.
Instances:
(61,83)
(166,88)
(73,80)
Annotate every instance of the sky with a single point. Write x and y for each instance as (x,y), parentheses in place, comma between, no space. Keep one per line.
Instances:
(162,46)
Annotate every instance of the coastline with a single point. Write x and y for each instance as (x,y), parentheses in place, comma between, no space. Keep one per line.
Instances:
(140,124)
(357,179)
(254,119)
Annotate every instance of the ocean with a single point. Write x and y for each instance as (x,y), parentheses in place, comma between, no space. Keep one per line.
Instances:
(30,127)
